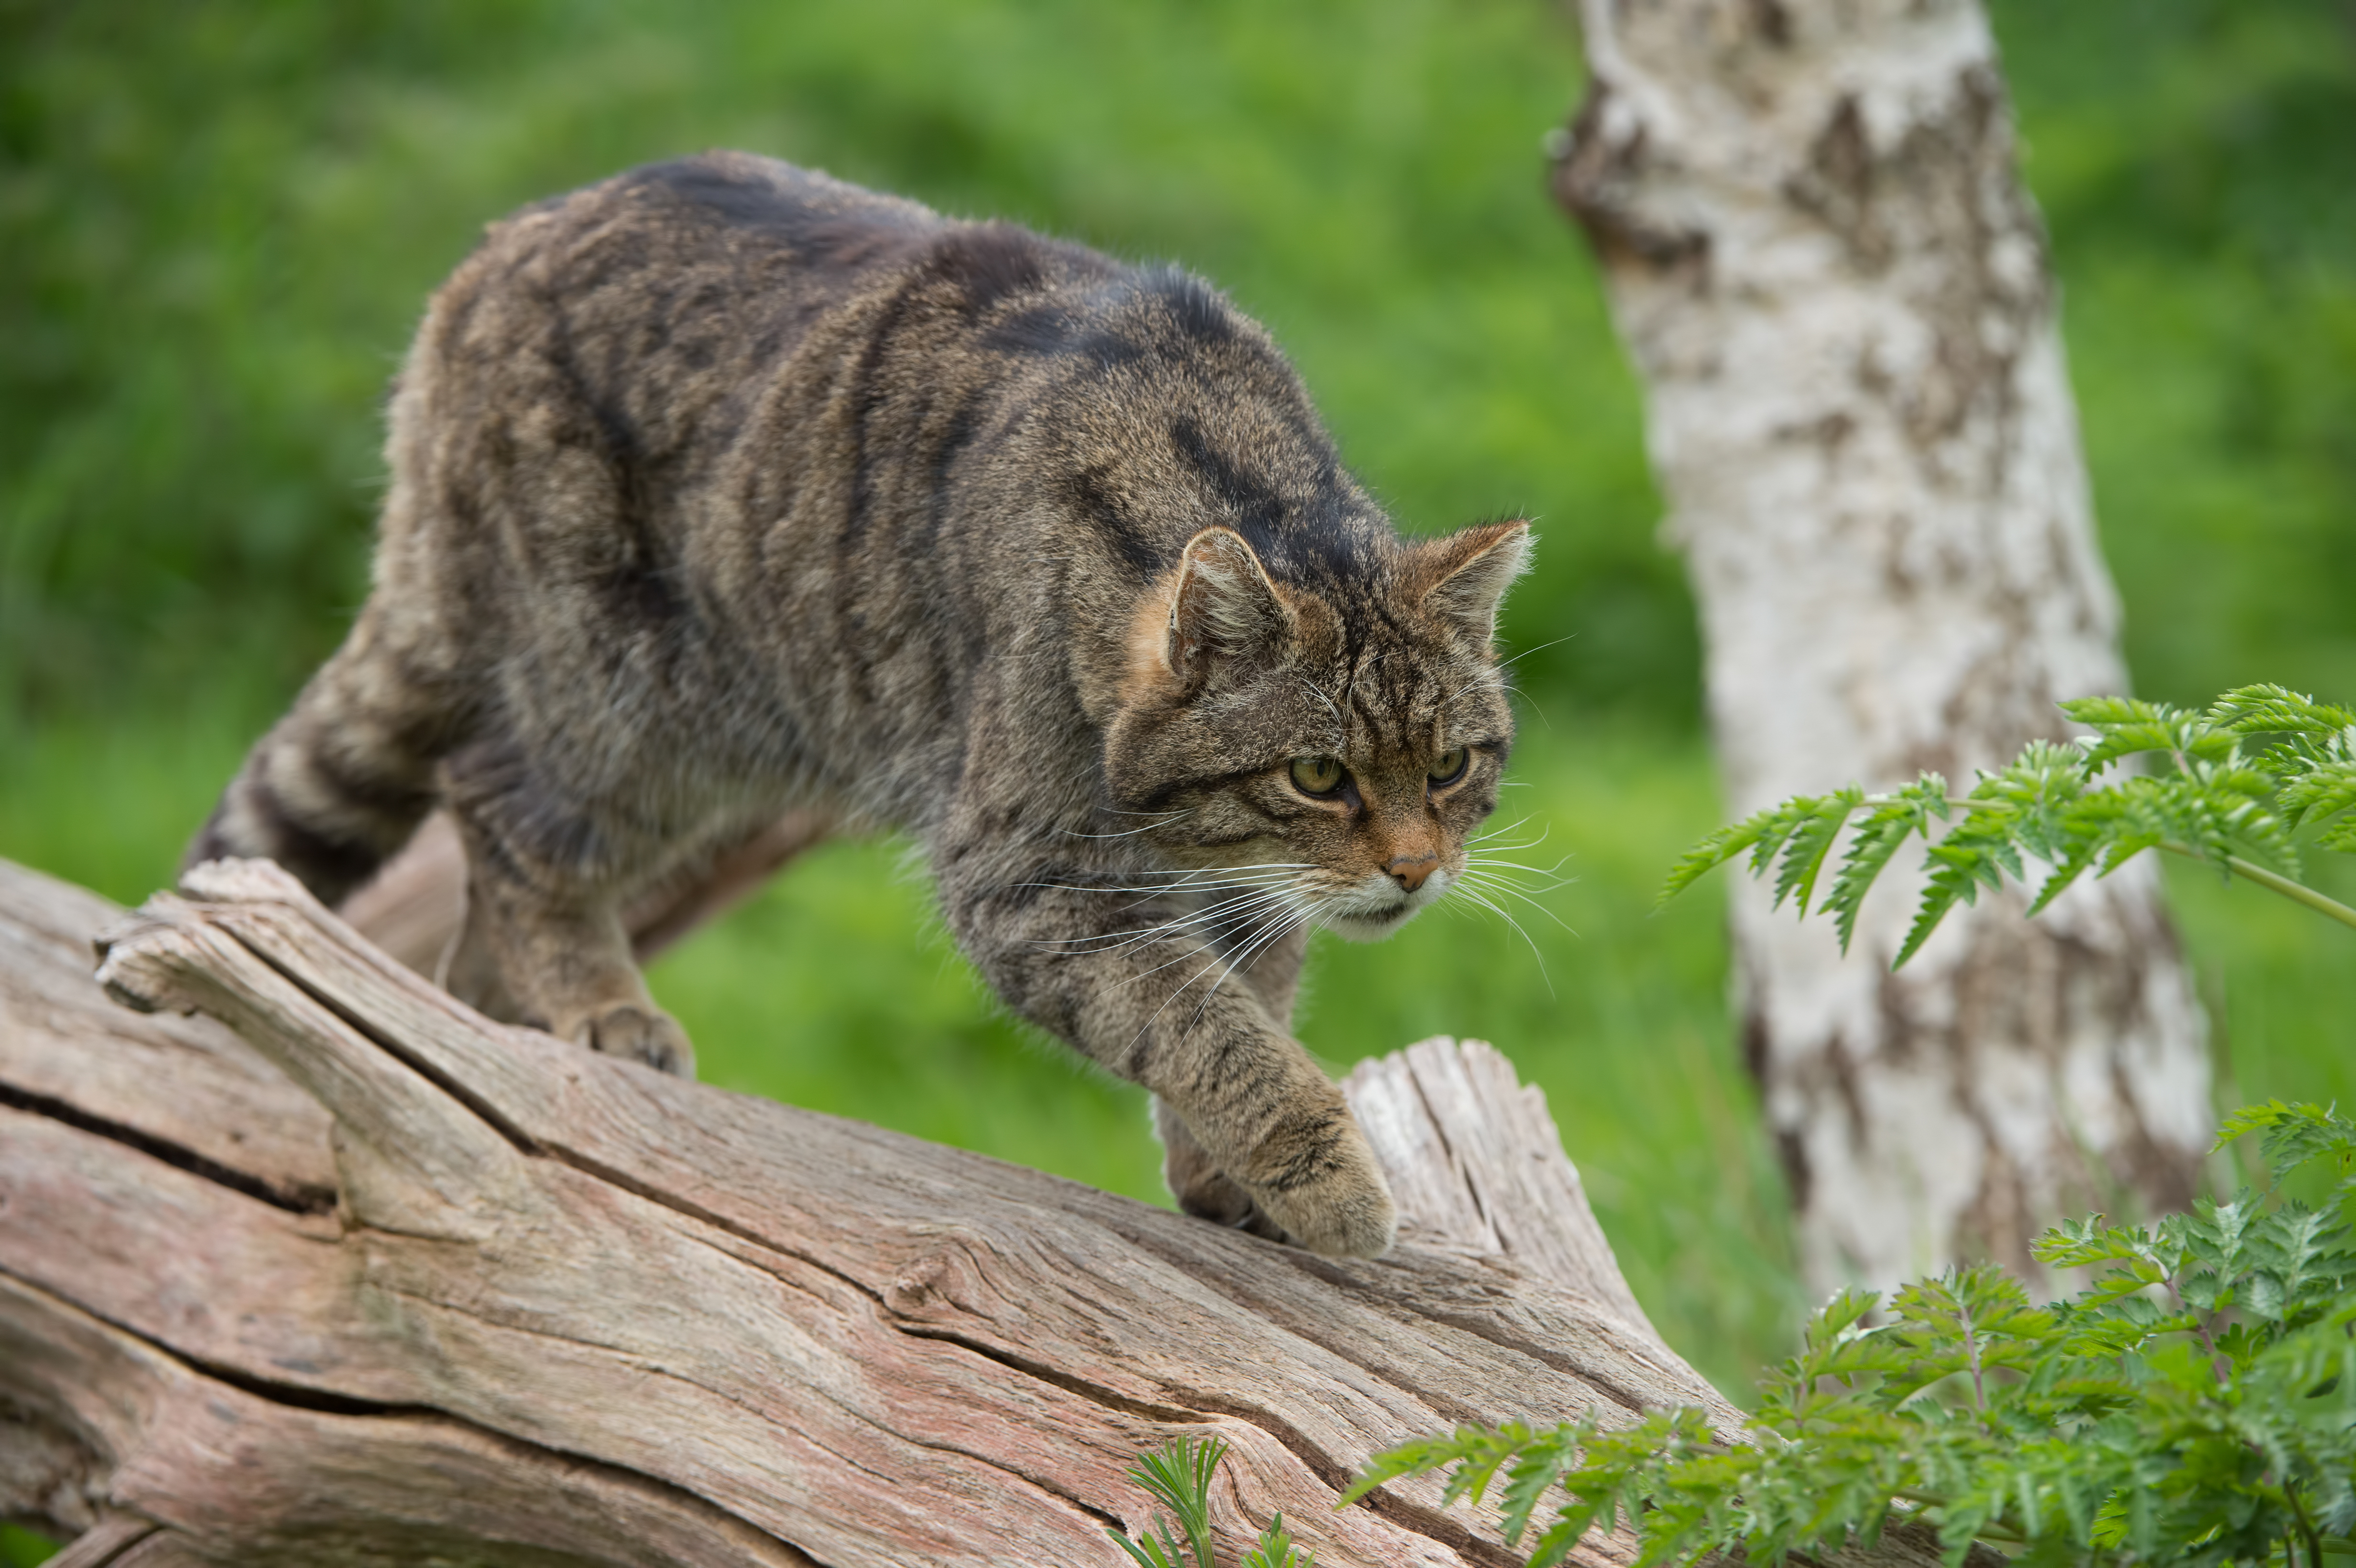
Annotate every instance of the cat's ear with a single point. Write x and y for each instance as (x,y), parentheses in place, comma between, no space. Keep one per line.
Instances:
(1222,606)
(1462,578)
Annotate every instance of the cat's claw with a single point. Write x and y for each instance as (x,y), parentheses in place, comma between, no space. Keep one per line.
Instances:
(639,1034)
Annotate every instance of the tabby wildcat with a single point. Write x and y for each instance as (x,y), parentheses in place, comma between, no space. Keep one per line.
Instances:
(724,487)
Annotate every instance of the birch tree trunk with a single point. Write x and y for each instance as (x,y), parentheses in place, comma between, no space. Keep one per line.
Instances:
(1836,292)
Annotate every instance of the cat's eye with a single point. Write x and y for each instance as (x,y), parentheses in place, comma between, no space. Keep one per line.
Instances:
(1317,775)
(1448,766)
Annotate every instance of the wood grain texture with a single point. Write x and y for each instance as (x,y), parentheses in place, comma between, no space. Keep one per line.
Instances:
(566,1311)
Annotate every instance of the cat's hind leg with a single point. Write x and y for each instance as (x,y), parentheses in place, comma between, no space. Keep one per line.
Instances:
(544,943)
(341,782)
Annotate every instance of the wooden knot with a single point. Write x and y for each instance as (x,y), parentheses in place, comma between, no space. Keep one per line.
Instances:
(919,1285)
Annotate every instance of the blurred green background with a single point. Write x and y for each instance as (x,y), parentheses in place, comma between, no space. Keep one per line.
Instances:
(219,221)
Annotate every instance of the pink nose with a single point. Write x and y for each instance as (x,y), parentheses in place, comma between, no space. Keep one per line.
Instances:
(1410,873)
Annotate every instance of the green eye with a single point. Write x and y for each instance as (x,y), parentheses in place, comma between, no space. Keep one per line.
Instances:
(1317,775)
(1448,766)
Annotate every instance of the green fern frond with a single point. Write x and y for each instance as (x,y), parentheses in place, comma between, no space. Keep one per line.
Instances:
(2277,710)
(2128,726)
(1711,853)
(2325,790)
(1808,842)
(1177,1475)
(2198,795)
(1880,832)
(2195,1408)
(1762,833)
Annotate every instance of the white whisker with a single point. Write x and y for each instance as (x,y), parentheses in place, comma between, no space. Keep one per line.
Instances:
(1499,911)
(1259,944)
(1231,913)
(1510,890)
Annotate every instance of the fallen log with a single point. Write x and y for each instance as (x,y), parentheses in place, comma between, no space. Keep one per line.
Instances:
(306,1263)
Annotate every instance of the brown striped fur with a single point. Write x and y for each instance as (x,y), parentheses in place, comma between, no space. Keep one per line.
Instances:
(723,487)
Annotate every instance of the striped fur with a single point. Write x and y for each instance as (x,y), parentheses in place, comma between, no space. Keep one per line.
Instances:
(724,487)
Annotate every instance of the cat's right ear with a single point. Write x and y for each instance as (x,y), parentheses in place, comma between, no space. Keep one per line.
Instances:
(1222,606)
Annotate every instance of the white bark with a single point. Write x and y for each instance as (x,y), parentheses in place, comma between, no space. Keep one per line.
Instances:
(1836,292)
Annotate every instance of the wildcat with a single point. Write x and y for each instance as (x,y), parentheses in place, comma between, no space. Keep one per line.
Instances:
(724,486)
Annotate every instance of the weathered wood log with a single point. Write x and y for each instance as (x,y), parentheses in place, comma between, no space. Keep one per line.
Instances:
(340,1272)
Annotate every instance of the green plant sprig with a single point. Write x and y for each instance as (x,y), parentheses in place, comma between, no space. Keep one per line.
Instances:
(1178,1474)
(2231,785)
(2194,1407)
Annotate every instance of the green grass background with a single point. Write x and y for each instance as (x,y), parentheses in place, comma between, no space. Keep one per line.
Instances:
(219,221)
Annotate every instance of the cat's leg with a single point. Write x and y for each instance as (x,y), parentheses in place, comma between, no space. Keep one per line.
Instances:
(1195,1180)
(543,941)
(340,784)
(1158,1011)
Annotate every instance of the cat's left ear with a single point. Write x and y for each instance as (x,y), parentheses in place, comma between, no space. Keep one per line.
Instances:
(1222,606)
(1462,578)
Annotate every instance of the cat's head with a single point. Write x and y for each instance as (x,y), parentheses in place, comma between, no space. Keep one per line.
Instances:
(1318,751)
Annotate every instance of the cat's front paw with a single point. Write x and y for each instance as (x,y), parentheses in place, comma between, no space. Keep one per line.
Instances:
(1213,1195)
(640,1034)
(1343,1207)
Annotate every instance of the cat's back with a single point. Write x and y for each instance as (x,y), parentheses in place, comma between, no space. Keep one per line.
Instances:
(657,289)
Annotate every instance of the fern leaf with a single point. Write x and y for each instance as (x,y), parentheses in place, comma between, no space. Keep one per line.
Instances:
(2125,726)
(1413,1457)
(1810,840)
(1877,839)
(2324,790)
(1717,849)
(1535,1470)
(2276,710)
(1555,1544)
(1949,885)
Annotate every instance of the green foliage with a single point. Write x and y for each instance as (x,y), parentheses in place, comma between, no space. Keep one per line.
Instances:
(1179,1476)
(2195,1406)
(1275,1549)
(2191,159)
(23,1549)
(218,225)
(2230,785)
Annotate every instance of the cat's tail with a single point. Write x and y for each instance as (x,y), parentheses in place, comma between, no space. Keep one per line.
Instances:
(340,784)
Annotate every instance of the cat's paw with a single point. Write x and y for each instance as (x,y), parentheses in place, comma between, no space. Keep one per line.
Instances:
(1345,1211)
(640,1034)
(1215,1196)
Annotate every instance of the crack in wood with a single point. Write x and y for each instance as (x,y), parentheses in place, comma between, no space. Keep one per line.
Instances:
(484,1110)
(674,1276)
(1096,1393)
(328,1404)
(295,1201)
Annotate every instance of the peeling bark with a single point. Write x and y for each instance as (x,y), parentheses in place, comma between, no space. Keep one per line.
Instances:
(1836,291)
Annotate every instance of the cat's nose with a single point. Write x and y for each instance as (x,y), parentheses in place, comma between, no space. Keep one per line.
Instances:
(1409,870)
